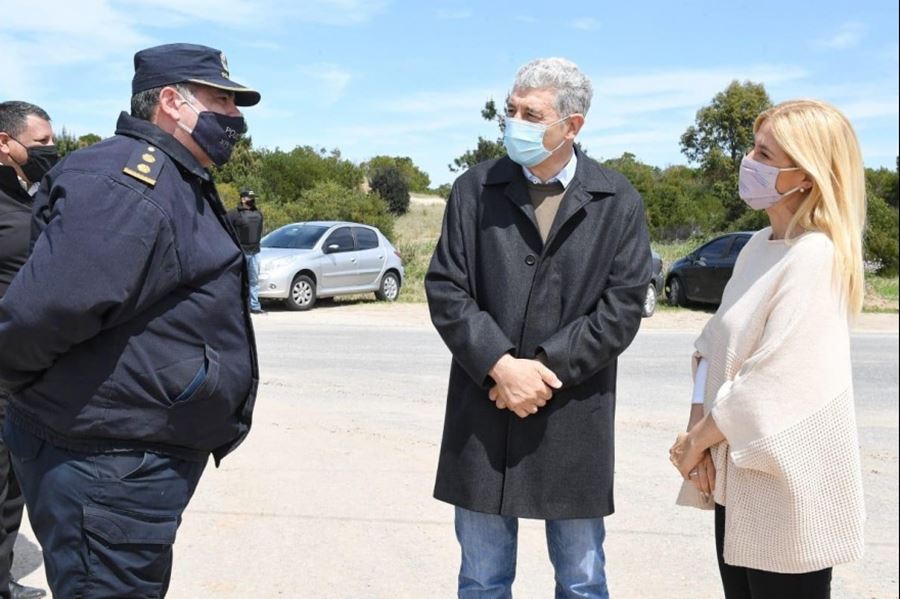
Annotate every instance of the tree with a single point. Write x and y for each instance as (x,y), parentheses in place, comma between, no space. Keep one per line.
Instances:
(389,183)
(882,183)
(882,246)
(417,180)
(328,200)
(485,149)
(88,139)
(285,175)
(721,136)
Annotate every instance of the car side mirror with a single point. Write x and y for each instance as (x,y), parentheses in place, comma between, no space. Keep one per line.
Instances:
(332,248)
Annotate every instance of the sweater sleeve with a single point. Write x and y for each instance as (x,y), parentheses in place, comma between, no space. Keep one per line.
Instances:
(800,362)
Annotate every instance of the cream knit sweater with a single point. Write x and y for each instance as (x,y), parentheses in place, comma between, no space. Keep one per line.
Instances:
(779,388)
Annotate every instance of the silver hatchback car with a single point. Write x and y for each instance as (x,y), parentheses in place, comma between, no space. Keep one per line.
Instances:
(301,262)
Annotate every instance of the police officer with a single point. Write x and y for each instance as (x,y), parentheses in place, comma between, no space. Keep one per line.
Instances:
(247,221)
(125,339)
(27,152)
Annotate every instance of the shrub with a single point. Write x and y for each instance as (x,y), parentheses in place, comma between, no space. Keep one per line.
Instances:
(882,246)
(389,183)
(328,200)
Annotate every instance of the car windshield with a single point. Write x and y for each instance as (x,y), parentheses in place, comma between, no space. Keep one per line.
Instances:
(294,237)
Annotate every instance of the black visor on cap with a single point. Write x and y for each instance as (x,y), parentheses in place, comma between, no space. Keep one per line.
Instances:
(179,63)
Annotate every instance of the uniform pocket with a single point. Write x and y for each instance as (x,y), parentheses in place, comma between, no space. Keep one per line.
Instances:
(204,381)
(129,553)
(117,528)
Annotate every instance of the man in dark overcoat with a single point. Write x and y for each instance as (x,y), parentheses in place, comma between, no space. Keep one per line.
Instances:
(536,287)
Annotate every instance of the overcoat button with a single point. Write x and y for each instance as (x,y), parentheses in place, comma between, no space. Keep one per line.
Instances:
(530,260)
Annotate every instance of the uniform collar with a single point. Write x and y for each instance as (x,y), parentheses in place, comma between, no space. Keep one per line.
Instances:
(11,184)
(149,132)
(564,176)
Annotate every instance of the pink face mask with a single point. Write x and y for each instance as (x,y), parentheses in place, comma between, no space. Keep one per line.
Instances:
(756,184)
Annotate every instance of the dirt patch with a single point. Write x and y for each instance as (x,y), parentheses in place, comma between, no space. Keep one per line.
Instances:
(422,199)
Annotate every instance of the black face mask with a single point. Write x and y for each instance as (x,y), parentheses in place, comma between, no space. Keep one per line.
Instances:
(216,133)
(40,160)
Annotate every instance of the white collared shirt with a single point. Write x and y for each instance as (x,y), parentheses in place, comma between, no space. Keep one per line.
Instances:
(564,176)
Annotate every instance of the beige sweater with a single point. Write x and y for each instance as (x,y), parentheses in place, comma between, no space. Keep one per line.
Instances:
(779,387)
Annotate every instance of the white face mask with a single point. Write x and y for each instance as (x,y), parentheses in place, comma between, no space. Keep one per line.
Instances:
(756,184)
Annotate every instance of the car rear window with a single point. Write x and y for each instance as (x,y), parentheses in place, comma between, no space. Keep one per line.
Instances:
(366,239)
(295,237)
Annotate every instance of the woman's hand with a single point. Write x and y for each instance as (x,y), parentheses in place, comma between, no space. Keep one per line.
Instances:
(686,454)
(704,475)
(692,447)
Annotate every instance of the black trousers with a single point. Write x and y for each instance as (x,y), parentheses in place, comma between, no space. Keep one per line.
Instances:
(106,522)
(11,506)
(747,583)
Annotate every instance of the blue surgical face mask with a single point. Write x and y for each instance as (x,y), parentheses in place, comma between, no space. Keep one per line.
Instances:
(524,141)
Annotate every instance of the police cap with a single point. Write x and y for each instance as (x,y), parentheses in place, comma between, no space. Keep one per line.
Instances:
(187,63)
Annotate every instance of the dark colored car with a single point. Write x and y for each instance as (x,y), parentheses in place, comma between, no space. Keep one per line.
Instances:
(701,276)
(655,287)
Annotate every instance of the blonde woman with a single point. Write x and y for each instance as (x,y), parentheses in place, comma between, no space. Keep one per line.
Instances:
(772,443)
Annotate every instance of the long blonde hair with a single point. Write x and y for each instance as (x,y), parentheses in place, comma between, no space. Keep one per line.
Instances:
(821,141)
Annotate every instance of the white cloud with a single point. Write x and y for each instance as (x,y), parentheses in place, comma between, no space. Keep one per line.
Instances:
(871,108)
(330,81)
(848,35)
(454,15)
(468,101)
(585,23)
(334,12)
(620,100)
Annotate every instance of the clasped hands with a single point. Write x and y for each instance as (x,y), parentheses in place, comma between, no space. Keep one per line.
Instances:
(522,386)
(691,452)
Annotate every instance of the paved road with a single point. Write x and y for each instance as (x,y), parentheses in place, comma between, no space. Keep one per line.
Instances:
(330,495)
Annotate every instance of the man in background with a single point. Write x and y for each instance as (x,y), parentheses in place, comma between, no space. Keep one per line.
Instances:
(247,221)
(27,152)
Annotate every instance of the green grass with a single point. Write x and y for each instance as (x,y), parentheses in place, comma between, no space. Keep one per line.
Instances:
(881,294)
(887,288)
(416,233)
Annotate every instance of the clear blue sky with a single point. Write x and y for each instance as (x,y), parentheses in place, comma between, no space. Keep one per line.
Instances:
(409,78)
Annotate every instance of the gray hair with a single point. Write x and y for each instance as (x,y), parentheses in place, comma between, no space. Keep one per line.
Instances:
(14,116)
(573,88)
(143,104)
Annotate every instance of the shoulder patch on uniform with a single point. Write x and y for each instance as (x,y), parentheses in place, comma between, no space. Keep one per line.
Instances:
(144,164)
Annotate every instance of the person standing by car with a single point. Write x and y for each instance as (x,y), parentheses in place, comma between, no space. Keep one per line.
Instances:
(536,286)
(772,443)
(124,342)
(247,221)
(27,152)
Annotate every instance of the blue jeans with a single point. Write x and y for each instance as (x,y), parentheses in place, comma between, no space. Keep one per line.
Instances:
(488,543)
(106,522)
(253,276)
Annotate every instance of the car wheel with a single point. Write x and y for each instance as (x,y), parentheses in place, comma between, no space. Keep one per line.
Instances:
(390,288)
(676,292)
(650,301)
(302,295)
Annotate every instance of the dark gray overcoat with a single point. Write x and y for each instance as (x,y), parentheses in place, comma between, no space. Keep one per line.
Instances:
(494,287)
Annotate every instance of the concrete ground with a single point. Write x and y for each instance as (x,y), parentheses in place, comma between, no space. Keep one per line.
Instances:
(331,494)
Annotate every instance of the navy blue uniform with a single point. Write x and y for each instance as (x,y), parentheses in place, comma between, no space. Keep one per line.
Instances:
(127,346)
